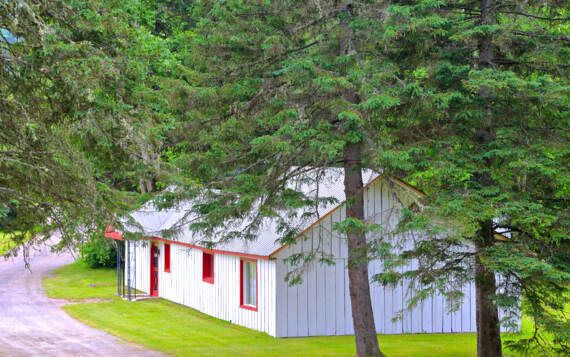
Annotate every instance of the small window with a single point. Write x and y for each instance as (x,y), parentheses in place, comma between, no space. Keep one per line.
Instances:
(248,284)
(167,258)
(208,267)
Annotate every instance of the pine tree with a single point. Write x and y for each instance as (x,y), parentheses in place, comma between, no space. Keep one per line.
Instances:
(76,110)
(466,99)
(485,87)
(291,83)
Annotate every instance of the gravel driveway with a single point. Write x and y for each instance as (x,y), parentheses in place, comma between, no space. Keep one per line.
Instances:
(33,325)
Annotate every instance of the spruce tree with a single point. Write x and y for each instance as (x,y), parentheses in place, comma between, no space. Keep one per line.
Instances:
(466,99)
(289,81)
(77,109)
(484,126)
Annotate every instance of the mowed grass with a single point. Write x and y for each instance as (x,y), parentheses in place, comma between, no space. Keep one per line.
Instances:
(77,282)
(181,331)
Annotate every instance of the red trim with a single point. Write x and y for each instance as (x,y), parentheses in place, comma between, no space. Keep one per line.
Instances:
(167,258)
(153,288)
(247,307)
(111,233)
(207,267)
(211,251)
(241,304)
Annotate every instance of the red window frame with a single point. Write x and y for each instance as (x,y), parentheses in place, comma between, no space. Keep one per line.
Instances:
(167,258)
(208,267)
(241,304)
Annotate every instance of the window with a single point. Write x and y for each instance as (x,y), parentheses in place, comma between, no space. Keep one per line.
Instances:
(248,284)
(167,258)
(208,267)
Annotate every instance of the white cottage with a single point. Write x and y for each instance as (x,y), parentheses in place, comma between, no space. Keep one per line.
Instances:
(243,282)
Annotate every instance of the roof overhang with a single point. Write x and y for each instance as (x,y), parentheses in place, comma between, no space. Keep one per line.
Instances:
(111,233)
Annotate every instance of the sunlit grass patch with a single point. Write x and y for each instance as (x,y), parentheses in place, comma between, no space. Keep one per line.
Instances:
(181,331)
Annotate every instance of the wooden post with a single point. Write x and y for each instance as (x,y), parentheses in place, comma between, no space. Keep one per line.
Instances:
(135,269)
(118,252)
(128,260)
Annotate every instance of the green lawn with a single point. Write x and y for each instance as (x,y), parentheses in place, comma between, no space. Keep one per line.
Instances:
(179,330)
(77,282)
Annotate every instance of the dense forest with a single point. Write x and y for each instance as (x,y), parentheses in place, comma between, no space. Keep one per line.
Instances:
(105,103)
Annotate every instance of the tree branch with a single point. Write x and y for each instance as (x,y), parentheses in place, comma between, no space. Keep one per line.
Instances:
(537,35)
(536,17)
(326,16)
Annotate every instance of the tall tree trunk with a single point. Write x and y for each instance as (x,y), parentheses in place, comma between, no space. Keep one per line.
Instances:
(487,313)
(488,328)
(146,181)
(485,43)
(359,285)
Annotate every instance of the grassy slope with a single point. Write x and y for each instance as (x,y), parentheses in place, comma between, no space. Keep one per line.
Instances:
(179,330)
(77,282)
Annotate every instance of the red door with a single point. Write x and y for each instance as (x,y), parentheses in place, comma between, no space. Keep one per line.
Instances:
(154,254)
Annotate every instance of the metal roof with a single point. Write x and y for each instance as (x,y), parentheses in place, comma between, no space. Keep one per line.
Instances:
(173,223)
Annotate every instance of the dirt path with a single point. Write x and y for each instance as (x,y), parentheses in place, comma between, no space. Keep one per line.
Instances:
(33,325)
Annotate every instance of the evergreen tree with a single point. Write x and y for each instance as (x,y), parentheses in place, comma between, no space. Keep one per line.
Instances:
(296,88)
(77,109)
(466,99)
(484,130)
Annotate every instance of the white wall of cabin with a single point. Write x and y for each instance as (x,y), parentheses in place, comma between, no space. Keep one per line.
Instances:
(184,285)
(140,277)
(321,304)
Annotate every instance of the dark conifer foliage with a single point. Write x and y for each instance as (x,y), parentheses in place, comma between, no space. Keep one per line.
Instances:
(483,129)
(77,114)
(468,100)
(230,101)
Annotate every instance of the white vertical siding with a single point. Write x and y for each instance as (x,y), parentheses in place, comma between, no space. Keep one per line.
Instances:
(339,280)
(318,306)
(438,306)
(140,276)
(321,304)
(465,310)
(330,282)
(321,285)
(302,298)
(143,266)
(184,285)
(292,304)
(427,315)
(281,298)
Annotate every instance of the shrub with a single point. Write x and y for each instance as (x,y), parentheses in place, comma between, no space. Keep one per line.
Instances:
(99,252)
